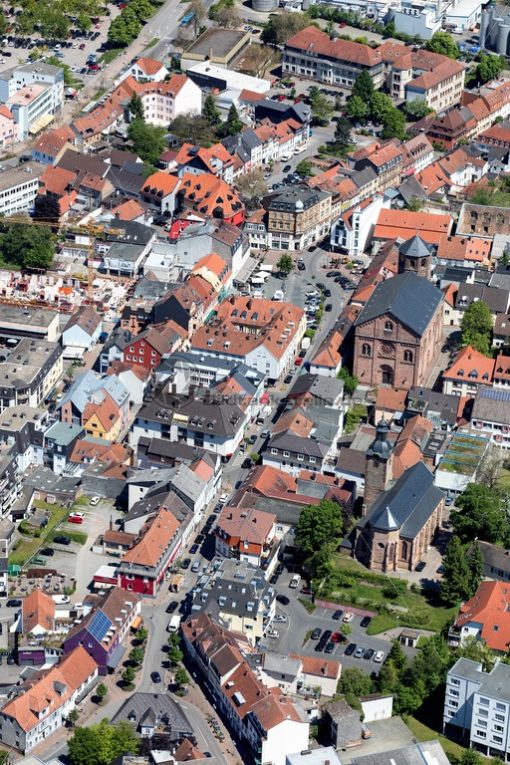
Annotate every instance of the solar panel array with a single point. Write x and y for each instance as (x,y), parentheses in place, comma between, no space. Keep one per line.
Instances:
(99,626)
(496,394)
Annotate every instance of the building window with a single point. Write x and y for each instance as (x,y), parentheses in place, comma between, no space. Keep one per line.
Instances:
(501,707)
(499,718)
(499,728)
(454,693)
(366,350)
(454,681)
(497,739)
(286,454)
(300,457)
(481,734)
(388,326)
(483,713)
(483,702)
(408,356)
(274,451)
(454,704)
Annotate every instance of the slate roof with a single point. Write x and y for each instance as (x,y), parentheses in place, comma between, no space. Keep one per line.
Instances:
(155,707)
(492,405)
(408,504)
(415,247)
(409,298)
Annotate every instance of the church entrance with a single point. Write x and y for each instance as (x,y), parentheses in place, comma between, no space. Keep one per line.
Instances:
(387,375)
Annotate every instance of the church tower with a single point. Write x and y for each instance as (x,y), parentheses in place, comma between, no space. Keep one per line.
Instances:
(378,465)
(415,256)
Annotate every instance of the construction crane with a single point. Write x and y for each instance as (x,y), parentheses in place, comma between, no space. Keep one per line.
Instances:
(92,230)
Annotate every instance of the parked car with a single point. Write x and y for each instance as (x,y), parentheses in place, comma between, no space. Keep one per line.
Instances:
(61,540)
(246,463)
(336,637)
(288,380)
(330,647)
(155,677)
(348,617)
(333,274)
(195,566)
(271,633)
(193,549)
(358,653)
(224,498)
(379,656)
(47,551)
(420,565)
(172,606)
(186,563)
(283,599)
(350,649)
(316,633)
(328,307)
(75,518)
(338,615)
(94,501)
(365,621)
(13,603)
(368,653)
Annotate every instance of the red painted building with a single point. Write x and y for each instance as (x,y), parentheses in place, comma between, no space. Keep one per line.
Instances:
(148,348)
(143,567)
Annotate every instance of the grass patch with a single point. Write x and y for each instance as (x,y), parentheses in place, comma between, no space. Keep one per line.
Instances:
(29,546)
(110,55)
(76,536)
(307,637)
(397,604)
(307,604)
(9,266)
(152,43)
(424,733)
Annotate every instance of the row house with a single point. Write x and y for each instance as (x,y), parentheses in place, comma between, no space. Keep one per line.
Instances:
(92,389)
(469,372)
(244,534)
(491,409)
(266,720)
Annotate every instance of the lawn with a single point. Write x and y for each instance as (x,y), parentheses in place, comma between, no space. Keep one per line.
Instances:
(28,546)
(424,733)
(109,55)
(397,604)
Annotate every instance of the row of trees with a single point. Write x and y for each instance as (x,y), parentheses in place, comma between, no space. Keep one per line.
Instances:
(52,20)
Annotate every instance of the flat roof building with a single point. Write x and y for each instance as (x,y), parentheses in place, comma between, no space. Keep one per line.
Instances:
(217,46)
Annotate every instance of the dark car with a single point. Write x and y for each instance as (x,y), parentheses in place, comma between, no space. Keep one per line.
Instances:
(172,606)
(155,677)
(327,293)
(193,549)
(13,603)
(280,569)
(368,653)
(328,308)
(420,566)
(320,286)
(47,551)
(302,354)
(246,463)
(283,599)
(186,563)
(338,615)
(60,540)
(274,579)
(287,168)
(365,621)
(252,438)
(332,274)
(199,539)
(350,649)
(288,379)
(330,647)
(10,659)
(316,633)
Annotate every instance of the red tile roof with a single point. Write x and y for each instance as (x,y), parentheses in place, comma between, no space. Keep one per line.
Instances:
(490,607)
(314,40)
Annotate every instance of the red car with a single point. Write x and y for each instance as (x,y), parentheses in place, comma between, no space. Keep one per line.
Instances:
(75,518)
(82,46)
(298,361)
(336,637)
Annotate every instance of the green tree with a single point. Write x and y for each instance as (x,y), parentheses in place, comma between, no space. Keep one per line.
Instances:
(175,655)
(388,680)
(27,246)
(210,111)
(101,692)
(128,676)
(73,716)
(84,747)
(394,125)
(489,67)
(342,137)
(142,635)
(47,209)
(363,87)
(475,564)
(357,109)
(193,128)
(252,187)
(477,650)
(148,140)
(443,43)
(455,584)
(415,204)
(304,168)
(285,264)
(398,657)
(476,327)
(282,26)
(381,106)
(102,743)
(322,108)
(124,29)
(355,681)
(482,515)
(233,124)
(181,677)
(197,7)
(351,382)
(319,526)
(136,655)
(504,259)
(417,109)
(471,757)
(136,107)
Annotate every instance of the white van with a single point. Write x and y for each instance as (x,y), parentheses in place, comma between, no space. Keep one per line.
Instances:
(294,582)
(278,295)
(174,623)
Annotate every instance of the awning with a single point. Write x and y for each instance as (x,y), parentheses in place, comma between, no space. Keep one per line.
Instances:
(116,656)
(246,271)
(136,623)
(41,123)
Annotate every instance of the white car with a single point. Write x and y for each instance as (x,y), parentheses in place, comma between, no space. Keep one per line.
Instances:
(378,656)
(280,619)
(348,617)
(271,633)
(94,501)
(224,498)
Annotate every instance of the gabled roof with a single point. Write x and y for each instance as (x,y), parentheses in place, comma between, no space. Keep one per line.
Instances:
(149,65)
(409,298)
(490,608)
(156,538)
(38,611)
(471,366)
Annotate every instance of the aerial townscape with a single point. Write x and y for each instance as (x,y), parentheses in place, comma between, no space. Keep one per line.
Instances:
(255,382)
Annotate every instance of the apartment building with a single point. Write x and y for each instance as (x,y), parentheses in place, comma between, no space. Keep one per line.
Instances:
(31,109)
(19,77)
(42,703)
(311,53)
(8,131)
(30,370)
(352,232)
(18,188)
(245,534)
(477,706)
(297,218)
